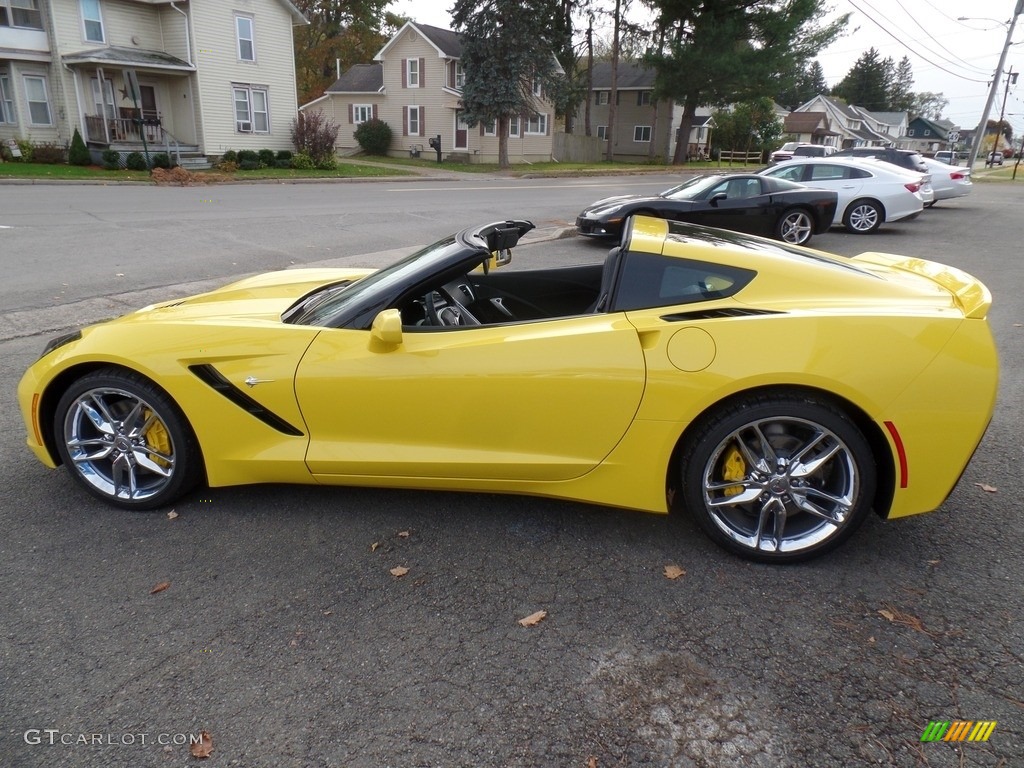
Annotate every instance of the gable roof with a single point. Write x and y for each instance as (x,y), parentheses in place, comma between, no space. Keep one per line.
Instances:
(297,18)
(629,77)
(805,122)
(359,78)
(939,130)
(444,41)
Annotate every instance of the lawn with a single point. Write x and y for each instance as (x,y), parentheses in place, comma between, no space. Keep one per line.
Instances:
(42,171)
(548,168)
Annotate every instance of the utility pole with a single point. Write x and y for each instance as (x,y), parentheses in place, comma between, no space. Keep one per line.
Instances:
(1011,79)
(979,135)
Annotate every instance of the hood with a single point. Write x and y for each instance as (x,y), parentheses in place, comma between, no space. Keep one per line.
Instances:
(262,297)
(608,202)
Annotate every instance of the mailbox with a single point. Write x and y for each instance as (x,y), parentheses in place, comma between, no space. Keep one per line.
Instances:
(435,144)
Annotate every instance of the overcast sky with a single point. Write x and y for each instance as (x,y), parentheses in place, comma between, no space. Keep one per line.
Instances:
(955,58)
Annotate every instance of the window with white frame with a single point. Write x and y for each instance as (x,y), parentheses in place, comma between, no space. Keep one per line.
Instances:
(643,98)
(252,109)
(6,99)
(20,13)
(412,73)
(602,132)
(362,112)
(910,132)
(246,38)
(513,126)
(641,133)
(491,128)
(92,21)
(37,96)
(460,75)
(414,121)
(602,98)
(537,125)
(537,87)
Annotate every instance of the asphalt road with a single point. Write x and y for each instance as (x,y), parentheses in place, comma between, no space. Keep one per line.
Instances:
(283,634)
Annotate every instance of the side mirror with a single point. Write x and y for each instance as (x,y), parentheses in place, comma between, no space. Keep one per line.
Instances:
(387,328)
(716,198)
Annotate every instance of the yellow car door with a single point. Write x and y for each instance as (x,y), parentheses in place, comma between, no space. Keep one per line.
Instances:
(541,400)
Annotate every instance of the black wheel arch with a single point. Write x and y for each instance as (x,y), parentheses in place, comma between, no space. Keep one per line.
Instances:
(885,465)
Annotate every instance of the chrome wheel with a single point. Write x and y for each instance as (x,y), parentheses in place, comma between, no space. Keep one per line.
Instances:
(125,441)
(795,227)
(863,216)
(780,479)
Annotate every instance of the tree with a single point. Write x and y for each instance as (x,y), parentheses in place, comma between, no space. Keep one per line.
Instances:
(749,126)
(928,104)
(868,83)
(807,84)
(507,53)
(901,97)
(726,51)
(340,33)
(78,154)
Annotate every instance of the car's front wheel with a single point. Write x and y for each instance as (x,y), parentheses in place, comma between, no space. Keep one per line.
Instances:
(795,227)
(125,440)
(863,216)
(778,477)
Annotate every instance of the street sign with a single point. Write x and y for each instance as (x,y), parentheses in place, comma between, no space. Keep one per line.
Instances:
(954,136)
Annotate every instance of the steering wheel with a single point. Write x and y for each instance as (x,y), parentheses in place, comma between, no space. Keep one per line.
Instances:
(452,311)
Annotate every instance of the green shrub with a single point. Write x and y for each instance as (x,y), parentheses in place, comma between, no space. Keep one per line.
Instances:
(161,160)
(327,163)
(250,165)
(374,136)
(229,157)
(136,162)
(248,155)
(284,154)
(282,163)
(111,159)
(227,166)
(303,162)
(49,153)
(267,157)
(79,153)
(27,150)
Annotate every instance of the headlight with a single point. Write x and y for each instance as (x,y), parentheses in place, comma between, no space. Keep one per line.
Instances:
(59,341)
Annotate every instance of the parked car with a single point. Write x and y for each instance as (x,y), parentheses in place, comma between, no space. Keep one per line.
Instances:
(792,149)
(948,181)
(870,191)
(995,158)
(778,393)
(743,202)
(904,158)
(946,156)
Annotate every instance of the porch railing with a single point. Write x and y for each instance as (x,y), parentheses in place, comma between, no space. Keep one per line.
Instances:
(106,130)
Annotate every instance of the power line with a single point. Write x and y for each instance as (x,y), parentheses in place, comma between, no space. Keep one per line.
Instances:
(932,38)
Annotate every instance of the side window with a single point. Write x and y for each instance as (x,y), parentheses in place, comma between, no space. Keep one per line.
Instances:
(246,38)
(829,172)
(858,173)
(791,173)
(651,280)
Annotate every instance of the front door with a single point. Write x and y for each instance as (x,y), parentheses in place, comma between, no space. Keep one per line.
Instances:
(461,132)
(147,93)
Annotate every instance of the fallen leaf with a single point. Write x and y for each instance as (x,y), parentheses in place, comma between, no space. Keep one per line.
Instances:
(592,762)
(907,620)
(403,534)
(160,587)
(1018,325)
(871,639)
(375,546)
(202,748)
(987,488)
(328,613)
(887,614)
(534,619)
(171,515)
(934,562)
(674,572)
(399,571)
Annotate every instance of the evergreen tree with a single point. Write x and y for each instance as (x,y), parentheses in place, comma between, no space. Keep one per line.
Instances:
(868,82)
(507,50)
(808,83)
(78,153)
(724,51)
(901,97)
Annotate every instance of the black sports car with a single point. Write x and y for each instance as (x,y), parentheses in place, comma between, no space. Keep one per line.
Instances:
(743,202)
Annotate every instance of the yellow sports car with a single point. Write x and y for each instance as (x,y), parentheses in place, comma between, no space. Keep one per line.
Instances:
(777,393)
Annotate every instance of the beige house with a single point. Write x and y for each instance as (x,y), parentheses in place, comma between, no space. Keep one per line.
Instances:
(192,77)
(415,86)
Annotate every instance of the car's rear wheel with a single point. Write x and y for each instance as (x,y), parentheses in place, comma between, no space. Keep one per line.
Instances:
(795,226)
(863,216)
(125,440)
(778,477)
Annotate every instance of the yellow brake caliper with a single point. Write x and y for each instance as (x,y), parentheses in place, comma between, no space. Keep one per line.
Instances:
(734,469)
(157,439)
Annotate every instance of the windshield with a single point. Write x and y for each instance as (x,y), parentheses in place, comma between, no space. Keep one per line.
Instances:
(692,189)
(325,303)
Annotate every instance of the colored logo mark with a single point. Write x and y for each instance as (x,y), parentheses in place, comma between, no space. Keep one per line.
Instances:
(958,730)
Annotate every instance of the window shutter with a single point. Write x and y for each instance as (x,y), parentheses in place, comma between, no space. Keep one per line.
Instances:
(547,125)
(481,129)
(423,127)
(405,120)
(597,98)
(423,72)
(639,98)
(375,112)
(351,114)
(405,73)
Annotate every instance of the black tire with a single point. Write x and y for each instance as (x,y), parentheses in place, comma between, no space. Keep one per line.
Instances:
(125,441)
(931,204)
(778,452)
(795,226)
(863,216)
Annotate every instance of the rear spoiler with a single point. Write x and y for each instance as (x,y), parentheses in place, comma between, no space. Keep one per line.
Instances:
(970,294)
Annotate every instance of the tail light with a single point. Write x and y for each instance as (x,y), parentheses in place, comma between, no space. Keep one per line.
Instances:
(913,186)
(957,176)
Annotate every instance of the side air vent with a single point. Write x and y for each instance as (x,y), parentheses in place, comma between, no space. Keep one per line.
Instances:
(714,314)
(211,376)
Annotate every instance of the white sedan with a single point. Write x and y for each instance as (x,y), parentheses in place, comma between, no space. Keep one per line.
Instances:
(948,181)
(870,191)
